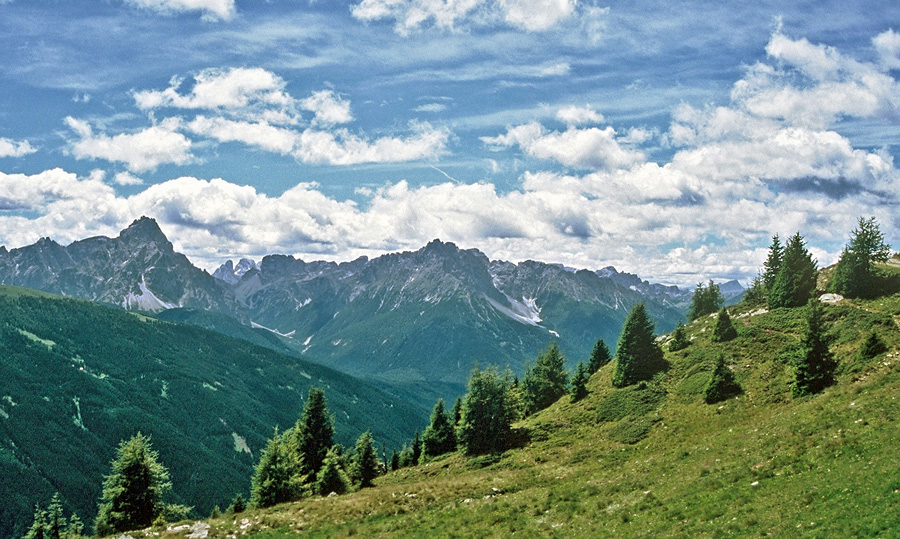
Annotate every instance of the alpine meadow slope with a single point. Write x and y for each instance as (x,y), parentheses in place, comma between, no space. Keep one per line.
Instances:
(654,459)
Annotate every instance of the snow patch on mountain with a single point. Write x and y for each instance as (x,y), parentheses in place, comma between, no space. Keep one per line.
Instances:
(525,311)
(146,300)
(288,335)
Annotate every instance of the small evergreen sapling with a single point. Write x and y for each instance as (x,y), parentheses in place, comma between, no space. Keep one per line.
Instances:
(440,436)
(38,527)
(815,368)
(600,356)
(579,383)
(331,477)
(722,384)
(237,505)
(638,357)
(724,330)
(679,339)
(365,466)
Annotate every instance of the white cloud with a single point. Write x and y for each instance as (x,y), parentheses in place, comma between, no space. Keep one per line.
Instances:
(260,134)
(344,148)
(141,151)
(575,115)
(13,148)
(124,178)
(888,46)
(591,148)
(211,9)
(328,107)
(237,90)
(431,107)
(411,15)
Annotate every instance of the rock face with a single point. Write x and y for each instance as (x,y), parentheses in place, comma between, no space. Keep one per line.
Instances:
(138,270)
(426,315)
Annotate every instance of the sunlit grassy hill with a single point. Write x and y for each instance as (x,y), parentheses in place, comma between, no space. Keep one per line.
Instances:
(654,460)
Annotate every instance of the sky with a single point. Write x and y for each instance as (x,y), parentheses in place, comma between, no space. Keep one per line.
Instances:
(670,139)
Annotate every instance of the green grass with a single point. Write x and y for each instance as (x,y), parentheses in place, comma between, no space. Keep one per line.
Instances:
(655,461)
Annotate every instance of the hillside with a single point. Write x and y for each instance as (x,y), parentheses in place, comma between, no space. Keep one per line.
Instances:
(654,460)
(76,378)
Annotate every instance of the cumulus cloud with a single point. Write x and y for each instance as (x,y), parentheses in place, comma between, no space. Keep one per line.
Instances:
(575,115)
(211,9)
(591,148)
(259,134)
(124,178)
(240,89)
(140,151)
(344,148)
(328,107)
(888,46)
(411,15)
(15,148)
(431,107)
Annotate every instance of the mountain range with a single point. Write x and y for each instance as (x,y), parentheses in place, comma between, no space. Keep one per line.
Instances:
(421,316)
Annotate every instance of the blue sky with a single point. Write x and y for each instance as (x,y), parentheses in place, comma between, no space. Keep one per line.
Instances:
(670,139)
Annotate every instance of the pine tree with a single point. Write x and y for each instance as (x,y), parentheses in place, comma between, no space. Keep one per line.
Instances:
(815,369)
(638,357)
(406,457)
(38,529)
(871,347)
(579,383)
(757,293)
(275,479)
(215,513)
(75,529)
(722,384)
(395,460)
(56,523)
(854,276)
(416,449)
(545,381)
(706,300)
(772,264)
(313,434)
(440,436)
(679,339)
(796,279)
(600,356)
(457,411)
(488,412)
(132,495)
(365,465)
(331,477)
(237,505)
(724,330)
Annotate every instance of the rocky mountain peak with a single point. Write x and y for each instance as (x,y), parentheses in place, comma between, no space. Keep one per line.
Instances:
(144,230)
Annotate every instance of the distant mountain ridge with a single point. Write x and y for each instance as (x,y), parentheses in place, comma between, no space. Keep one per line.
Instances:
(425,315)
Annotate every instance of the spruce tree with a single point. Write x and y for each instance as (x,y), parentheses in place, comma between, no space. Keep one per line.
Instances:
(440,436)
(313,434)
(331,477)
(457,411)
(854,276)
(638,357)
(56,523)
(579,383)
(815,368)
(706,300)
(365,466)
(275,479)
(406,457)
(38,527)
(679,339)
(772,264)
(600,356)
(488,412)
(395,460)
(796,279)
(237,505)
(545,381)
(757,293)
(724,330)
(75,528)
(132,496)
(871,347)
(722,384)
(416,448)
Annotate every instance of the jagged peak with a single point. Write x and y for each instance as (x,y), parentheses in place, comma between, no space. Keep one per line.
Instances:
(144,229)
